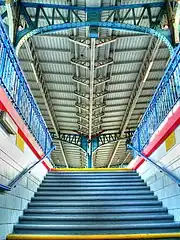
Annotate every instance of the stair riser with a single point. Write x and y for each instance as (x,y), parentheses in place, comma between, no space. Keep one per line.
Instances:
(91,185)
(99,217)
(93,193)
(40,206)
(95,232)
(84,174)
(120,177)
(96,198)
(96,211)
(84,189)
(98,181)
(95,203)
(92,222)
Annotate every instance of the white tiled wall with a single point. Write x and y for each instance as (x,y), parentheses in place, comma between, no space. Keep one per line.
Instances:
(12,161)
(166,190)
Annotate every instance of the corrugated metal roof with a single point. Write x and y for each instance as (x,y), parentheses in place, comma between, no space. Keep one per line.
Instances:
(55,51)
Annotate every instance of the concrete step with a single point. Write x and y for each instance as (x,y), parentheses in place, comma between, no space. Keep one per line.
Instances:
(98,217)
(101,192)
(92,183)
(97,228)
(122,177)
(92,204)
(93,180)
(96,210)
(121,184)
(98,173)
(117,219)
(93,198)
(84,189)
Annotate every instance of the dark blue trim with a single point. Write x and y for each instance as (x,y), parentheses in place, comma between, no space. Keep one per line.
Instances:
(161,168)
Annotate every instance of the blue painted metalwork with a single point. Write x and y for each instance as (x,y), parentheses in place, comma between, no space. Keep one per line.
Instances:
(111,25)
(14,83)
(4,188)
(164,99)
(161,168)
(96,142)
(65,13)
(29,168)
(95,9)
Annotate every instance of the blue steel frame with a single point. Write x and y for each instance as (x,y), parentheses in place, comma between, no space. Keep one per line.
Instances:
(70,9)
(14,83)
(111,25)
(164,99)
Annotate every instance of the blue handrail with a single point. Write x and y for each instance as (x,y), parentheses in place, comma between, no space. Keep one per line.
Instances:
(164,99)
(4,188)
(24,172)
(161,168)
(14,83)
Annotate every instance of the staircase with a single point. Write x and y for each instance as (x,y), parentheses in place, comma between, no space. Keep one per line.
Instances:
(113,204)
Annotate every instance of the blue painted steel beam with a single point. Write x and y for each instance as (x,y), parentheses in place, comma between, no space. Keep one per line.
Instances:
(96,9)
(111,25)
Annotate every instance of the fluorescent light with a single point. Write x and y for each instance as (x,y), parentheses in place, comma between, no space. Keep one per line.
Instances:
(148,70)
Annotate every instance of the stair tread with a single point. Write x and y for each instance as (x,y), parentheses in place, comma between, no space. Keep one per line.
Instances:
(92,173)
(100,176)
(95,188)
(101,217)
(87,193)
(100,226)
(91,182)
(92,198)
(96,203)
(98,210)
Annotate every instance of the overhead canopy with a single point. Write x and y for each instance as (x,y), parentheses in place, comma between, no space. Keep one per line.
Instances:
(94,86)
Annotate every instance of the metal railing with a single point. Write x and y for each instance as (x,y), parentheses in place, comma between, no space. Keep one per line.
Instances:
(161,168)
(164,99)
(24,172)
(14,83)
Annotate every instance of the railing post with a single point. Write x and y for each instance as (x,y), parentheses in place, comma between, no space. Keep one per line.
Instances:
(138,139)
(3,57)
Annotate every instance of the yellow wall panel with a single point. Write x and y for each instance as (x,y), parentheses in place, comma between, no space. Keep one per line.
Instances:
(20,142)
(170,141)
